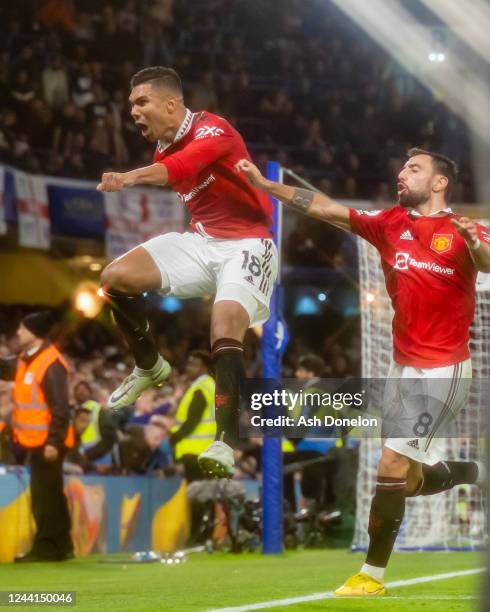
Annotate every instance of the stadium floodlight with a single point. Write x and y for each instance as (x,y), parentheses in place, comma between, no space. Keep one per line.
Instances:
(470,21)
(87,300)
(437,57)
(463,88)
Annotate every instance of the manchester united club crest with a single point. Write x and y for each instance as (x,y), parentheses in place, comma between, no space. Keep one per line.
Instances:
(441,242)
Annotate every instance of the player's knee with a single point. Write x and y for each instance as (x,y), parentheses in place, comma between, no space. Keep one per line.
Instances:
(115,276)
(393,464)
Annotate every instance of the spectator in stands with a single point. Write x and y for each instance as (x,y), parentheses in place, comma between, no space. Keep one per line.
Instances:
(75,461)
(22,91)
(55,83)
(195,427)
(139,446)
(289,88)
(98,439)
(204,94)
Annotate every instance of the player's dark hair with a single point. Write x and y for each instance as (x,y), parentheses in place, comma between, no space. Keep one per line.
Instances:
(159,76)
(203,356)
(442,165)
(312,363)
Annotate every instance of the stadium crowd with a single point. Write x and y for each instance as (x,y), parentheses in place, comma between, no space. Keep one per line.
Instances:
(287,74)
(136,440)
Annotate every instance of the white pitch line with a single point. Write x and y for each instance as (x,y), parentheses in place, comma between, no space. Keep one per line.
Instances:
(329,594)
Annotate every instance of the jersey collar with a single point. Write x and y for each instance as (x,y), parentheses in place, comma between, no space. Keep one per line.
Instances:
(185,126)
(445,211)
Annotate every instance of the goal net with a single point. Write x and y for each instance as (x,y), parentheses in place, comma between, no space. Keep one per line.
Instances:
(450,520)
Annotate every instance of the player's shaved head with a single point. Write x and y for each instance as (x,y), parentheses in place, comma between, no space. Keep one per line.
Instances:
(160,77)
(157,103)
(442,165)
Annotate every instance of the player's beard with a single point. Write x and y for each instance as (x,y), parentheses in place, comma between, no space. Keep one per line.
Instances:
(411,199)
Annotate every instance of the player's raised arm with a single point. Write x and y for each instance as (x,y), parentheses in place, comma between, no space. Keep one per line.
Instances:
(478,241)
(156,174)
(305,201)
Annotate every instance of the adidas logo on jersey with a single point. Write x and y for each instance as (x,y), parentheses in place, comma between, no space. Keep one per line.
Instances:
(414,444)
(250,279)
(406,235)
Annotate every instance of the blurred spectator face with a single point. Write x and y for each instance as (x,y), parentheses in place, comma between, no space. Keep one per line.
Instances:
(195,367)
(9,118)
(303,374)
(22,77)
(118,97)
(309,366)
(25,338)
(339,365)
(153,110)
(353,161)
(155,433)
(326,186)
(82,392)
(69,110)
(79,141)
(21,145)
(325,157)
(351,187)
(146,403)
(81,421)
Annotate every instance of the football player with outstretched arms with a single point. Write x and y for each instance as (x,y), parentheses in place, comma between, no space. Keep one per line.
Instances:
(430,258)
(228,251)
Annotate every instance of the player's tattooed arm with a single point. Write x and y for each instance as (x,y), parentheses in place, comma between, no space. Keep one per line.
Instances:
(301,200)
(156,174)
(308,202)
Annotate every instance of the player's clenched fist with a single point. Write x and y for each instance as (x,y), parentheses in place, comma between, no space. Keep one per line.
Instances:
(467,228)
(112,181)
(251,172)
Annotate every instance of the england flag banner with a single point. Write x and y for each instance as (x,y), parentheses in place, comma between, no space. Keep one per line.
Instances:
(32,204)
(135,215)
(3,223)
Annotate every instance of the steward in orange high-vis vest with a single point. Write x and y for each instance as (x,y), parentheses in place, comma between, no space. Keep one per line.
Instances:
(31,417)
(42,431)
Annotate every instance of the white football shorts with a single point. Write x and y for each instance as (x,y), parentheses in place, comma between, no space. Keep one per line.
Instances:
(421,402)
(243,270)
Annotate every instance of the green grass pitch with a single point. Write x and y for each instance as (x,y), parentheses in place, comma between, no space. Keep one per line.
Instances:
(208,582)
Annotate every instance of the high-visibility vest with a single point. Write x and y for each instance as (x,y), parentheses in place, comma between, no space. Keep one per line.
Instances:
(287,446)
(91,436)
(203,435)
(31,415)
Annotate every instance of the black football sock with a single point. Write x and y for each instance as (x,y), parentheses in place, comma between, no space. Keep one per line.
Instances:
(227,356)
(445,475)
(130,315)
(385,517)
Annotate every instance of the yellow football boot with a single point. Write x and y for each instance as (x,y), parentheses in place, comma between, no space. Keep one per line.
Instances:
(360,585)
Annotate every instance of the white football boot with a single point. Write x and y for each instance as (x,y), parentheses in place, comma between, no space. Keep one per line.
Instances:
(138,381)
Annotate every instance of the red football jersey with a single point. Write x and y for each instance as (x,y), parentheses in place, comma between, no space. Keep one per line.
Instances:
(430,278)
(200,164)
